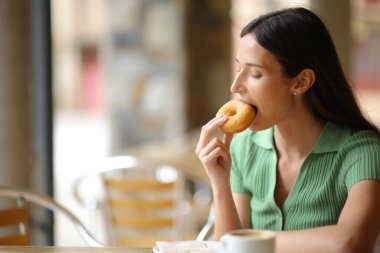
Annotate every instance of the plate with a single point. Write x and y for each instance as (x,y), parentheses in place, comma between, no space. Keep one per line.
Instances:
(214,246)
(156,249)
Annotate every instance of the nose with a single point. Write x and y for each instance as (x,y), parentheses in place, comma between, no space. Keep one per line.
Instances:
(237,85)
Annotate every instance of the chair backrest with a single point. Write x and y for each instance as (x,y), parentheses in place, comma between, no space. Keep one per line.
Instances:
(140,201)
(207,231)
(15,220)
(13,224)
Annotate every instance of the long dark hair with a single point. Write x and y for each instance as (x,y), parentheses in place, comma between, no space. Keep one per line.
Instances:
(298,39)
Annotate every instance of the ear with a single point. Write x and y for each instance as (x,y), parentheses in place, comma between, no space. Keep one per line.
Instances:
(303,81)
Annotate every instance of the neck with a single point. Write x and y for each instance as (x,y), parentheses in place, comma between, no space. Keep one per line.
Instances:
(295,138)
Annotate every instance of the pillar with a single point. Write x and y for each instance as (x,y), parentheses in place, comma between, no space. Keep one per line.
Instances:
(337,17)
(15,131)
(208,59)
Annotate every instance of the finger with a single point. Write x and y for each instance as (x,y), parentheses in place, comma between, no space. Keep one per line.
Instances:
(213,145)
(208,130)
(216,156)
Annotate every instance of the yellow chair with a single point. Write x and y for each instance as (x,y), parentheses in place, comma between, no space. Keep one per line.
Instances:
(17,217)
(15,220)
(141,202)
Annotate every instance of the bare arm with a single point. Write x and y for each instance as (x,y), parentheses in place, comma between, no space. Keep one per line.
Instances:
(216,159)
(356,231)
(226,215)
(232,211)
(242,202)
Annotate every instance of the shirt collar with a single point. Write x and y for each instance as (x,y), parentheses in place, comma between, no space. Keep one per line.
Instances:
(330,139)
(264,138)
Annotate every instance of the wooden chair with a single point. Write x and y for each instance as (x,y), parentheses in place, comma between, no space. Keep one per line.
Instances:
(15,220)
(140,201)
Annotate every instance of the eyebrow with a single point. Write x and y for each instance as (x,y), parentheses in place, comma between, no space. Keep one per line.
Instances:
(251,64)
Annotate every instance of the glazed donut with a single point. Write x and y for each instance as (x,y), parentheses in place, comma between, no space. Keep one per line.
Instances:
(240,116)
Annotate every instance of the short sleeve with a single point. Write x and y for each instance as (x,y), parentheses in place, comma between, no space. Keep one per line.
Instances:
(364,159)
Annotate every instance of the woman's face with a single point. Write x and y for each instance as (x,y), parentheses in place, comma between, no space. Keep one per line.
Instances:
(260,82)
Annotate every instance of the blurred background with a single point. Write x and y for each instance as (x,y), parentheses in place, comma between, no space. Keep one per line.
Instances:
(82,80)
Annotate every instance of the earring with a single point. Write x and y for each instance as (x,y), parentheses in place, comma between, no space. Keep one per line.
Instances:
(294,93)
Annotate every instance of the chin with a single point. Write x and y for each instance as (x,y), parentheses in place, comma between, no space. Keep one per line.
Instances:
(255,127)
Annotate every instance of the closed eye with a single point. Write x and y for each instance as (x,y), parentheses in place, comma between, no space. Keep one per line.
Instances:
(254,73)
(256,76)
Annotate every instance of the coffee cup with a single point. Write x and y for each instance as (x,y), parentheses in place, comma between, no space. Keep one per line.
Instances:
(248,241)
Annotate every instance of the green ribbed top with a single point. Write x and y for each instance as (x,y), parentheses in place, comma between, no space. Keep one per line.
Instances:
(340,158)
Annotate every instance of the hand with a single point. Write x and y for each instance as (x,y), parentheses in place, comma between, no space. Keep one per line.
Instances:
(213,153)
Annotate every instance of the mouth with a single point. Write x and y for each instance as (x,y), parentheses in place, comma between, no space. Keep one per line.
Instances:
(254,108)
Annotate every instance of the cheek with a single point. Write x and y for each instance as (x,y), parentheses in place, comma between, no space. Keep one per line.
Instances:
(275,102)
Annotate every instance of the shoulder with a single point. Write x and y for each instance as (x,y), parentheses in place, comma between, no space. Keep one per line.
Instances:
(244,137)
(342,139)
(361,150)
(365,137)
(362,142)
(241,144)
(249,149)
(360,155)
(351,145)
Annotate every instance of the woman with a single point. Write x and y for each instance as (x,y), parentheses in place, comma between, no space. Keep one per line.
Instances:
(309,164)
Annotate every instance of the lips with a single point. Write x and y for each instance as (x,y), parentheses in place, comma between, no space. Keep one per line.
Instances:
(254,108)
